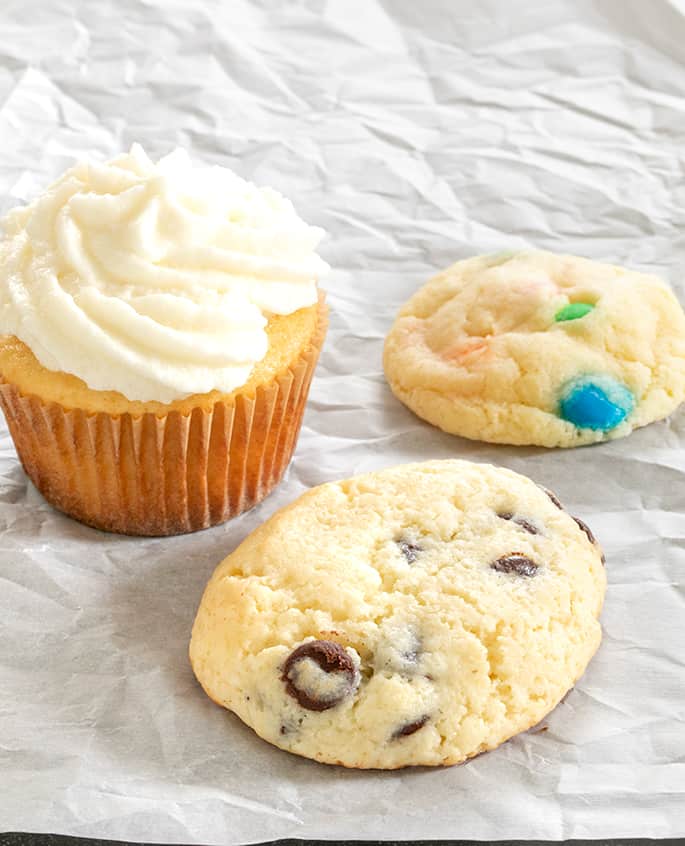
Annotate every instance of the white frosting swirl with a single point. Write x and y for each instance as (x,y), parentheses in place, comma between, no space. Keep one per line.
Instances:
(154,280)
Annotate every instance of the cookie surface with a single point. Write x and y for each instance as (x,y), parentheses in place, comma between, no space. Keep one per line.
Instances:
(538,348)
(416,615)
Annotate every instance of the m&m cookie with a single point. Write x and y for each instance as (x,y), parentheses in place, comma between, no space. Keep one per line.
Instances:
(537,348)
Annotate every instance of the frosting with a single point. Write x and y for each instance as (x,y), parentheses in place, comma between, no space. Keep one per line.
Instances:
(154,280)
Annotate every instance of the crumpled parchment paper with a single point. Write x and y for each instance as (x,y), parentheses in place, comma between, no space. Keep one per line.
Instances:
(416,133)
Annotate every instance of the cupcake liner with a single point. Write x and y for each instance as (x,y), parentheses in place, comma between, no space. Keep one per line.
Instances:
(163,475)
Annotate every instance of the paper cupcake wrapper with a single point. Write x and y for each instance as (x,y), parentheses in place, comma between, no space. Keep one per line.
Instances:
(152,475)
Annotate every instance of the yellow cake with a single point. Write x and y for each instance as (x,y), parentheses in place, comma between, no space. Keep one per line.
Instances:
(289,336)
(100,351)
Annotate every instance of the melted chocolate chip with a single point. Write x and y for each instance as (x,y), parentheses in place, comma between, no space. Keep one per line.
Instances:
(410,728)
(520,521)
(410,647)
(553,498)
(586,529)
(399,652)
(330,658)
(515,563)
(410,656)
(409,550)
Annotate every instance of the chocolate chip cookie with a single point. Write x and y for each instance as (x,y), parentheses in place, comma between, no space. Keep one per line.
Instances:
(416,615)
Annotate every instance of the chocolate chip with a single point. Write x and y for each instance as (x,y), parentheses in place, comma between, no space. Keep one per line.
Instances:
(409,550)
(520,521)
(515,563)
(586,529)
(284,729)
(398,652)
(411,656)
(410,728)
(331,658)
(553,498)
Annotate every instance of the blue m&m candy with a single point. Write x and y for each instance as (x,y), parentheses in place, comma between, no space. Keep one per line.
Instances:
(596,402)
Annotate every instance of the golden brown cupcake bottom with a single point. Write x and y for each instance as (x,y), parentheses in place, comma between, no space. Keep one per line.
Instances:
(163,474)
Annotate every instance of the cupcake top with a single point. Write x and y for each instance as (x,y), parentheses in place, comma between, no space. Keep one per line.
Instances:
(154,280)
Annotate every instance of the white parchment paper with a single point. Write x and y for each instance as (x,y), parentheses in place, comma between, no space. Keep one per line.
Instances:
(417,132)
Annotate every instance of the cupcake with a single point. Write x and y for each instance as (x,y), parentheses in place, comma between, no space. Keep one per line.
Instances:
(160,327)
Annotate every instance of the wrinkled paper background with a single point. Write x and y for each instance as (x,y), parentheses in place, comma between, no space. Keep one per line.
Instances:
(416,133)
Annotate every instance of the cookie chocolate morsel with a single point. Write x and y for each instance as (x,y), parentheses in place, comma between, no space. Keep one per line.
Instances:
(553,497)
(588,531)
(410,728)
(520,521)
(399,652)
(409,550)
(515,563)
(331,658)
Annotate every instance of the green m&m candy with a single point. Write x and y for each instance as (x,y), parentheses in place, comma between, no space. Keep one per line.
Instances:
(573,311)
